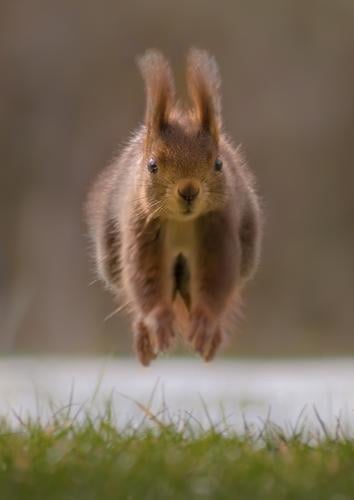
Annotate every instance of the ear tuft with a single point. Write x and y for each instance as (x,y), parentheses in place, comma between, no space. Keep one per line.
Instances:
(160,91)
(203,82)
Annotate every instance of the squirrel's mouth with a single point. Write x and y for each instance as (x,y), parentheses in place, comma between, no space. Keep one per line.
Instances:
(189,212)
(185,211)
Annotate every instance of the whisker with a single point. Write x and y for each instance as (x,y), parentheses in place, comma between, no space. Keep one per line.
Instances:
(116,311)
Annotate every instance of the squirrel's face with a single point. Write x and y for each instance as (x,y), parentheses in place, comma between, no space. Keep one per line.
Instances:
(183,174)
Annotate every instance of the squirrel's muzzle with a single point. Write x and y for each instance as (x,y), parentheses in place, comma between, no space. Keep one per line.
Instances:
(188,190)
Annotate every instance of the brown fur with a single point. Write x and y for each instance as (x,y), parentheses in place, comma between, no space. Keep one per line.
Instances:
(179,263)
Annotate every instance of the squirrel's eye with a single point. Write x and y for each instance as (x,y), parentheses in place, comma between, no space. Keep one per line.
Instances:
(218,165)
(152,166)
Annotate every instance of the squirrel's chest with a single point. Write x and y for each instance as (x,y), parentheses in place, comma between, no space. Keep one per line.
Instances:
(180,238)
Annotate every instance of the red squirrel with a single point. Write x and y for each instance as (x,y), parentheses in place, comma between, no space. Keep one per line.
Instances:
(175,219)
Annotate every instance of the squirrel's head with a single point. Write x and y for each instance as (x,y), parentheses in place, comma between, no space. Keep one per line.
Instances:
(182,173)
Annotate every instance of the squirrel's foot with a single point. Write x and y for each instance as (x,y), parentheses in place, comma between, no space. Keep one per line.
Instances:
(154,334)
(142,344)
(205,334)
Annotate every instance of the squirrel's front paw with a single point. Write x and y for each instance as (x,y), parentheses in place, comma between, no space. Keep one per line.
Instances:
(142,344)
(205,333)
(154,334)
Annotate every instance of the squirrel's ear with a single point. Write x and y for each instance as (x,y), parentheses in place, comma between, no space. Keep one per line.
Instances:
(203,83)
(160,92)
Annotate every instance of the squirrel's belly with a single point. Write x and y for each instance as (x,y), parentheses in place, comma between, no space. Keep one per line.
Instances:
(180,244)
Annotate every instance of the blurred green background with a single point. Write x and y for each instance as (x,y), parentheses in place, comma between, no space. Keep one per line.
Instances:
(70,94)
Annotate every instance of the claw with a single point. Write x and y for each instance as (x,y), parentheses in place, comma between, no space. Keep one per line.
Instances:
(215,343)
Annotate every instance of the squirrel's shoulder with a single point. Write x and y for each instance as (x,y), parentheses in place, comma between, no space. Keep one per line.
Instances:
(242,178)
(115,176)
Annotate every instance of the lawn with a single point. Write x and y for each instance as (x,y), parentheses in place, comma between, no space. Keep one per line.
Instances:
(70,460)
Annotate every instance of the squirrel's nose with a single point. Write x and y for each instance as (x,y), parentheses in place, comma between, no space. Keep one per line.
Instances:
(188,191)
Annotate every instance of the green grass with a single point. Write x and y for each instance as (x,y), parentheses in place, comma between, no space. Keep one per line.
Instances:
(70,460)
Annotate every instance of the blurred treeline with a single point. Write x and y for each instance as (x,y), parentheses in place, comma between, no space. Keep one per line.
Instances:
(70,93)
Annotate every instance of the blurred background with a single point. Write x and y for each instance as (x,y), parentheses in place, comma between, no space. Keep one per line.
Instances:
(70,94)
